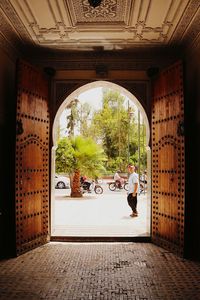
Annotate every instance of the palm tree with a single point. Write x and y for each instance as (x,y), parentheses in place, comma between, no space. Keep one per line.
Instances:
(76,156)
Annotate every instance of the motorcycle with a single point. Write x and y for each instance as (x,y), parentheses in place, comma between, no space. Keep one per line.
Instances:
(143,187)
(116,185)
(86,188)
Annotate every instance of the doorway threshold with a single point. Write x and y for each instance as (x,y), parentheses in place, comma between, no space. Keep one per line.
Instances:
(101,239)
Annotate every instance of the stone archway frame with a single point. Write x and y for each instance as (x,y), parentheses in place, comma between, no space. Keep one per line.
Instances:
(75,94)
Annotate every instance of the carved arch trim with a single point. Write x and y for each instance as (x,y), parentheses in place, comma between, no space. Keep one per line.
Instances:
(66,91)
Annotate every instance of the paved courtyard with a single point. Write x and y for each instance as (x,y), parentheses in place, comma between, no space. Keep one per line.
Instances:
(107,271)
(107,214)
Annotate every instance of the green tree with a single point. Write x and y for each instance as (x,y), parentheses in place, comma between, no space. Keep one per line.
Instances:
(85,116)
(114,126)
(78,155)
(114,129)
(64,156)
(73,117)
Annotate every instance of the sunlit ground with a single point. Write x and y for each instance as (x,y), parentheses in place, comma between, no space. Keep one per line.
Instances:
(107,214)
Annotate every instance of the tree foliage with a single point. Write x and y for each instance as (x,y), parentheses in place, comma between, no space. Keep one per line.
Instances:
(76,156)
(73,117)
(65,156)
(114,126)
(78,153)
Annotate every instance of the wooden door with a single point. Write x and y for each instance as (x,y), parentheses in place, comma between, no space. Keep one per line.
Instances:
(168,174)
(32,159)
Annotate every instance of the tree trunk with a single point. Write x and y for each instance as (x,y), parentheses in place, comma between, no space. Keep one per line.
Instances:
(75,190)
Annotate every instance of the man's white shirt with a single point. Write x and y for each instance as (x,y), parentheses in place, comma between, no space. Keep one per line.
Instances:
(132,180)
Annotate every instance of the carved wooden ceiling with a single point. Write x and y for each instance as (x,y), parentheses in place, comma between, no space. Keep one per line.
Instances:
(114,25)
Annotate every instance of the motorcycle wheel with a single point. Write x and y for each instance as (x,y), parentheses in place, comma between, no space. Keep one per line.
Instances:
(141,190)
(112,186)
(126,186)
(98,189)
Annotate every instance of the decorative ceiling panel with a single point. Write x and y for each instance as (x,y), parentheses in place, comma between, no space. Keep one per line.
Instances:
(115,24)
(110,11)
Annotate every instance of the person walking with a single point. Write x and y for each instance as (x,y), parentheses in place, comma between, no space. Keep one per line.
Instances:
(133,183)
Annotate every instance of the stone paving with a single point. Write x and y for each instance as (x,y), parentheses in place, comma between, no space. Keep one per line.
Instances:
(75,271)
(107,214)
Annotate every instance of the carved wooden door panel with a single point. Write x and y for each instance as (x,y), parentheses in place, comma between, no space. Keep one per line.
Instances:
(32,159)
(168,174)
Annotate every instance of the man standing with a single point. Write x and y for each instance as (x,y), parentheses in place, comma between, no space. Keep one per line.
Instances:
(133,183)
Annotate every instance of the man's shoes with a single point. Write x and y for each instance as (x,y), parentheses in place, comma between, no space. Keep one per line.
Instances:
(134,214)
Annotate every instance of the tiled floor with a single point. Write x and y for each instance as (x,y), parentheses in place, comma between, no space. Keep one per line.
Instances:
(99,271)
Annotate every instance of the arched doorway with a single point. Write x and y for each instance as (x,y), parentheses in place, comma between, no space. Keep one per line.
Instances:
(70,98)
(168,175)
